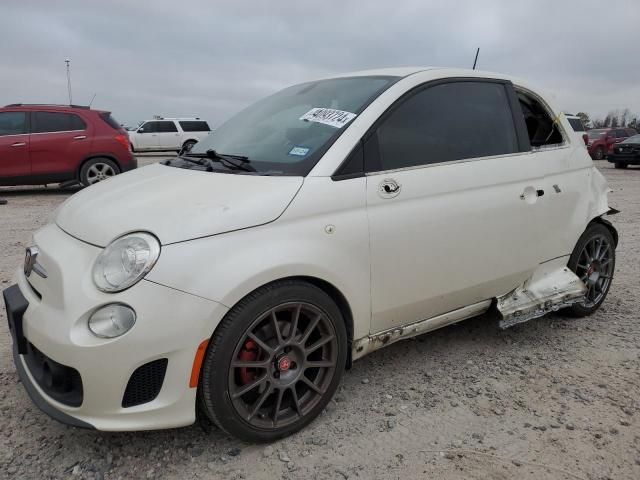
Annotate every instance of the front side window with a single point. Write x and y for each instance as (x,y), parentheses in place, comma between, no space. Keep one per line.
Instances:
(167,127)
(150,127)
(621,134)
(194,126)
(13,123)
(448,122)
(49,122)
(288,132)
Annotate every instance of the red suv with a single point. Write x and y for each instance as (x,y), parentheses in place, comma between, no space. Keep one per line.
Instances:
(42,144)
(601,140)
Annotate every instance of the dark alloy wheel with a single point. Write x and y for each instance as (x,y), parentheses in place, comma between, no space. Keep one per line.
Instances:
(599,154)
(275,362)
(593,261)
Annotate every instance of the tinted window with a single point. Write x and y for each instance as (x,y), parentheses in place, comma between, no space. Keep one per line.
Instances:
(12,123)
(621,134)
(166,127)
(56,122)
(195,126)
(150,127)
(445,123)
(576,124)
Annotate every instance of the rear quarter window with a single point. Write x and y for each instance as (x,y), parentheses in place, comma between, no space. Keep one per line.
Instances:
(109,120)
(195,126)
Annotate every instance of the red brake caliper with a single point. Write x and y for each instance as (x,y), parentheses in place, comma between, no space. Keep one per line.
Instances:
(249,353)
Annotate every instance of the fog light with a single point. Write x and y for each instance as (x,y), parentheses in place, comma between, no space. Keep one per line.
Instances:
(112,320)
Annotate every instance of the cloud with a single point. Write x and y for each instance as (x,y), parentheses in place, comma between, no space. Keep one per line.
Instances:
(213,58)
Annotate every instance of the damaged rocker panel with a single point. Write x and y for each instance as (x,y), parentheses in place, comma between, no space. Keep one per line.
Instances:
(370,343)
(548,290)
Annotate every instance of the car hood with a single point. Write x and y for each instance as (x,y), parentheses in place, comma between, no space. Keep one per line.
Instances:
(174,204)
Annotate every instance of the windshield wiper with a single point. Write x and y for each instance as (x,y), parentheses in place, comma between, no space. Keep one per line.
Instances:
(237,162)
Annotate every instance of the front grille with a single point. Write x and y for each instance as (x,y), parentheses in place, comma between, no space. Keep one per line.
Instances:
(60,382)
(145,383)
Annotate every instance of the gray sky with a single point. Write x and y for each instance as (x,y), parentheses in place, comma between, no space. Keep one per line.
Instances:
(212,58)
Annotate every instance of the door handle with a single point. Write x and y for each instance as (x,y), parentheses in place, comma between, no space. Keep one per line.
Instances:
(530,194)
(79,137)
(19,144)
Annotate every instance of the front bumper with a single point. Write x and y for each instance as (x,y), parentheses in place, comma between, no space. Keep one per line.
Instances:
(170,325)
(633,159)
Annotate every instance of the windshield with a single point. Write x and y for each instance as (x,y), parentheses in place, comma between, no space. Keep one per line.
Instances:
(634,139)
(288,132)
(596,134)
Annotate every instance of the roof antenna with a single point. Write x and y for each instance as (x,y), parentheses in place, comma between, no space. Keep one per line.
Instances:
(92,99)
(476,60)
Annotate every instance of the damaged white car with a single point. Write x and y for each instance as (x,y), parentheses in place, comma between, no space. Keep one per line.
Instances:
(238,281)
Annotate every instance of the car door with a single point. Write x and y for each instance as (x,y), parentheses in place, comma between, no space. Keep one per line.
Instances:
(451,201)
(147,136)
(14,145)
(168,135)
(59,142)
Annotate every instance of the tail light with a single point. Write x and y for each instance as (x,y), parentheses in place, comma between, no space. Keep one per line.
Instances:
(123,140)
(585,137)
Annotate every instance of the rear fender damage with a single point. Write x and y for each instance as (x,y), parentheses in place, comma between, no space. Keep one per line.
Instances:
(551,287)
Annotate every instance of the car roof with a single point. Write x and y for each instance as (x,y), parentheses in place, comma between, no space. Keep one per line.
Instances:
(50,106)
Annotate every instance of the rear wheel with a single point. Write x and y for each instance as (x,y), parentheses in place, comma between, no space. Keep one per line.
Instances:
(593,260)
(620,165)
(274,362)
(96,170)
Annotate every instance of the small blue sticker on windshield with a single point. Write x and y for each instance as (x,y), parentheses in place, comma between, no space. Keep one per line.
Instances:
(299,151)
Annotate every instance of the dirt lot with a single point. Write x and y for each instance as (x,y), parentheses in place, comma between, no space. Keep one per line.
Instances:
(555,398)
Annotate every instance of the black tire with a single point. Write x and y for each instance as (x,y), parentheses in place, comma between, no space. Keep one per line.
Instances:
(188,145)
(599,154)
(97,169)
(620,165)
(225,374)
(598,273)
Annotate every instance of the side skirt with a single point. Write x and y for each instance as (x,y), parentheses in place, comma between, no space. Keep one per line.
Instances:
(370,343)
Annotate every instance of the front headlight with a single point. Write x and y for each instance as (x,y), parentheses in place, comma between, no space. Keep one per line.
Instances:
(125,261)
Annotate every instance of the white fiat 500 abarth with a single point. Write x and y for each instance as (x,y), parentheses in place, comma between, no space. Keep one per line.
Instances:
(237,281)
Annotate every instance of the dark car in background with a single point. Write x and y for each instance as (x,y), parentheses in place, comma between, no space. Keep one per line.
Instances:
(602,140)
(41,144)
(626,152)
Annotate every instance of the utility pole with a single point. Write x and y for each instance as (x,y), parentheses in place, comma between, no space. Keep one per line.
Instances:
(67,61)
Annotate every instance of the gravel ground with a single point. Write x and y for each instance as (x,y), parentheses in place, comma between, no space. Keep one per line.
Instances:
(555,398)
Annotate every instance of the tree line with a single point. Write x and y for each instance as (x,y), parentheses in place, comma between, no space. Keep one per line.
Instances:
(613,119)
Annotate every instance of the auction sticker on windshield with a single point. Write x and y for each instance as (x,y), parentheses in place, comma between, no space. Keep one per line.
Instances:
(328,116)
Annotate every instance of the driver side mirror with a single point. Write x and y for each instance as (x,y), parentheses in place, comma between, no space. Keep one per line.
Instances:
(141,130)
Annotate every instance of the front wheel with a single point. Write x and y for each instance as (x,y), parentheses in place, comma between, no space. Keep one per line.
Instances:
(599,154)
(274,362)
(593,260)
